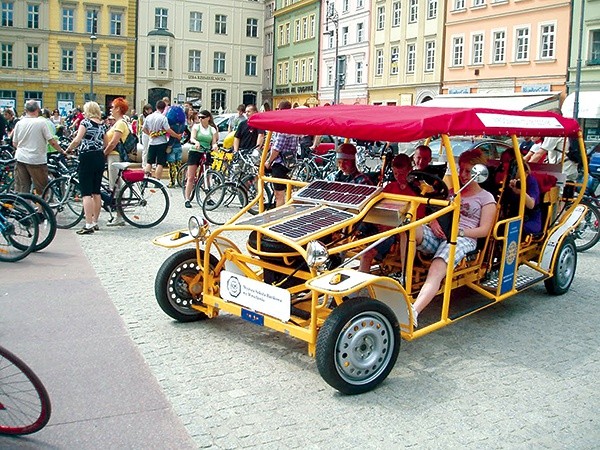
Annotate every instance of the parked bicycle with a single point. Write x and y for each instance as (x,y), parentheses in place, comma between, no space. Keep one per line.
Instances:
(19,228)
(315,167)
(140,200)
(24,401)
(7,176)
(587,233)
(208,175)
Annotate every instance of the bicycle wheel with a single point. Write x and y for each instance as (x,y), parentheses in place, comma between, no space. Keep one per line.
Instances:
(249,183)
(24,402)
(587,233)
(143,204)
(46,220)
(19,228)
(181,176)
(223,201)
(64,197)
(208,180)
(302,172)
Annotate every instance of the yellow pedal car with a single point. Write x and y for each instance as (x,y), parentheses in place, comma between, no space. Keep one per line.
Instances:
(297,273)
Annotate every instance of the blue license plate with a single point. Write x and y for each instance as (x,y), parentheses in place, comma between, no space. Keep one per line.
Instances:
(253,317)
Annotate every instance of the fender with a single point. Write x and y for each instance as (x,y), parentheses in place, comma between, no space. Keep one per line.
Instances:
(554,240)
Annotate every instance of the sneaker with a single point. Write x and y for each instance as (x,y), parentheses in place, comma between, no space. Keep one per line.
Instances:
(116,223)
(188,204)
(85,230)
(96,227)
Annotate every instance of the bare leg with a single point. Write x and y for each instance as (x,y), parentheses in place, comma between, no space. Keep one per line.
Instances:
(97,200)
(191,179)
(366,261)
(158,172)
(436,274)
(279,198)
(88,209)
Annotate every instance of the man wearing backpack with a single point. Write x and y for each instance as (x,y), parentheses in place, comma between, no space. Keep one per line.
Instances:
(283,144)
(157,127)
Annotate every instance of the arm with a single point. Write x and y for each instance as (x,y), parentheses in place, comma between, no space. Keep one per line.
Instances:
(488,215)
(260,140)
(77,140)
(236,144)
(215,140)
(172,132)
(113,142)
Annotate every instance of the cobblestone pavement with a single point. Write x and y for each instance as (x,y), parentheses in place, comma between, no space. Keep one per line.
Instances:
(522,374)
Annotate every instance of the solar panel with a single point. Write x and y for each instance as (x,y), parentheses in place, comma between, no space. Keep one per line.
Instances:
(335,193)
(276,214)
(301,227)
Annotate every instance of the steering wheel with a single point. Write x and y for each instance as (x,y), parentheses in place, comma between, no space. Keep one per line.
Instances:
(426,184)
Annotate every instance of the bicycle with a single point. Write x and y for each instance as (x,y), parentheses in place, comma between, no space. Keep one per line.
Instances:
(7,176)
(315,167)
(24,401)
(587,233)
(19,228)
(208,175)
(140,200)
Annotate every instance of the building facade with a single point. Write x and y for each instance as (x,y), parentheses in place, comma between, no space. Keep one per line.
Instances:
(346,25)
(406,62)
(269,41)
(295,59)
(65,53)
(508,48)
(208,52)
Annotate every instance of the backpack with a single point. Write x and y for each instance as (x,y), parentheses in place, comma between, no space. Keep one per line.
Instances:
(128,147)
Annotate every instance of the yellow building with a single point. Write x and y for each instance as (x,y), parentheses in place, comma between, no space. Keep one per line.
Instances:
(47,51)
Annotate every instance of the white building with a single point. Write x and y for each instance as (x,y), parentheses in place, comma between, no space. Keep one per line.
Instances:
(206,51)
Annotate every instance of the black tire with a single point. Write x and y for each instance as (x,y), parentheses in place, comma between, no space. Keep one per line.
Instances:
(358,345)
(46,220)
(249,183)
(268,245)
(302,172)
(181,176)
(223,201)
(564,269)
(143,204)
(64,197)
(208,180)
(171,288)
(24,404)
(19,229)
(587,233)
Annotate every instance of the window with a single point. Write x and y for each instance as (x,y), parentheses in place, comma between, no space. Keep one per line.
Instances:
(432,9)
(116,24)
(594,47)
(379,62)
(286,72)
(330,40)
(68,19)
(457,51)
(268,76)
(6,55)
(499,50)
(360,32)
(547,41)
(287,33)
(7,14)
(281,35)
(305,28)
(33,57)
(220,24)
(344,35)
(115,64)
(522,44)
(33,95)
(429,56)
(394,55)
(311,25)
(303,70)
(411,58)
(345,5)
(91,61)
(477,49)
(269,44)
(311,68)
(33,16)
(360,4)
(459,4)
(91,22)
(250,65)
(68,60)
(219,62)
(413,11)
(196,22)
(252,28)
(396,12)
(152,57)
(64,97)
(297,28)
(329,76)
(380,17)
(296,71)
(160,18)
(359,72)
(478,3)
(194,58)
(162,57)
(218,99)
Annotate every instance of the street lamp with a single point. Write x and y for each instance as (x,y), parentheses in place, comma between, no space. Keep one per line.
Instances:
(332,16)
(92,95)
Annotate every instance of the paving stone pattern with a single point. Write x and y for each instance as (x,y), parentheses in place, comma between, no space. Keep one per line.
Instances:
(522,374)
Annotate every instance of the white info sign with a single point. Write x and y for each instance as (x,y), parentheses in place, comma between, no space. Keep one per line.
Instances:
(257,296)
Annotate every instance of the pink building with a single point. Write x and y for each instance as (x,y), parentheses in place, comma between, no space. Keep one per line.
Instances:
(514,51)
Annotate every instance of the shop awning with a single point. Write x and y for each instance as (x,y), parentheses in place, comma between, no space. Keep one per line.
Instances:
(589,105)
(514,102)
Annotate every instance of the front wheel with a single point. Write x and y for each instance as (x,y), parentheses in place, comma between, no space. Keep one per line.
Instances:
(564,268)
(173,282)
(46,220)
(587,233)
(358,345)
(143,204)
(64,197)
(19,228)
(223,201)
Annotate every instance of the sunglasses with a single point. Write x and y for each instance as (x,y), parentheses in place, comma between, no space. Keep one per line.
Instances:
(203,117)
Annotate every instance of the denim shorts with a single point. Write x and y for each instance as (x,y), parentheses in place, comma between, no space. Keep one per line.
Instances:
(440,248)
(175,155)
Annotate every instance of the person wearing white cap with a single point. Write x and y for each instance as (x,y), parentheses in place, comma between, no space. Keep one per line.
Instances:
(349,173)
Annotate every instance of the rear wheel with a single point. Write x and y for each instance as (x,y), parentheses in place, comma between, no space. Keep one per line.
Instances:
(143,204)
(358,345)
(19,228)
(208,180)
(564,268)
(173,282)
(223,201)
(587,233)
(46,220)
(64,197)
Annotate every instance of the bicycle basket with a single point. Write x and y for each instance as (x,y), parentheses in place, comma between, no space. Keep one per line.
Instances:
(131,176)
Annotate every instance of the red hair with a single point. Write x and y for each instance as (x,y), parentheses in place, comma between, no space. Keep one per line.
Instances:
(121,104)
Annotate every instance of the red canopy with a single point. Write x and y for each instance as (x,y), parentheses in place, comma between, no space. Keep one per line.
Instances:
(410,123)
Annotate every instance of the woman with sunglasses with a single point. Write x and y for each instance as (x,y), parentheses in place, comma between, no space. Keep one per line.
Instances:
(204,138)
